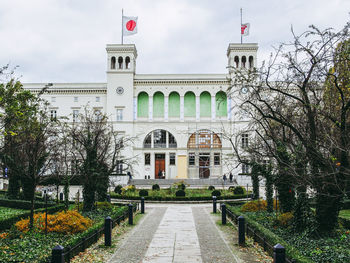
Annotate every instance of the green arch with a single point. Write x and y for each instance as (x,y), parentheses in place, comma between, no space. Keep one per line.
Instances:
(174,104)
(142,104)
(158,104)
(205,104)
(221,104)
(190,104)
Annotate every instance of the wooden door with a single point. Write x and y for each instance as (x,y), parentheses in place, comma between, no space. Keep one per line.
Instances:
(159,165)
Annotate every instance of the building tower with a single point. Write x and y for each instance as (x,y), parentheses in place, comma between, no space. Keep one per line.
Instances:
(121,64)
(242,56)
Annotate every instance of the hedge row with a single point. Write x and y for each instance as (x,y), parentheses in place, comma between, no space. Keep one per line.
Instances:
(179,198)
(9,222)
(23,204)
(270,237)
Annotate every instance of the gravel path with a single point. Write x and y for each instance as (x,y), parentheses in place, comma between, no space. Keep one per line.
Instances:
(213,247)
(135,245)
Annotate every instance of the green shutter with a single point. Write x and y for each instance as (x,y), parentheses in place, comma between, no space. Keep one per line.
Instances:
(205,104)
(221,104)
(174,104)
(190,104)
(142,105)
(158,104)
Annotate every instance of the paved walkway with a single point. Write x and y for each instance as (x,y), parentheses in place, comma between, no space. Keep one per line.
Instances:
(173,234)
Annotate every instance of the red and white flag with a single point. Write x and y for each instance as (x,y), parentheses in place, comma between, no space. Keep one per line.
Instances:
(245,29)
(129,25)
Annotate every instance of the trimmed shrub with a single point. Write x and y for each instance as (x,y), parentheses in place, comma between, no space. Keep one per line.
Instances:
(180,193)
(284,220)
(104,205)
(118,189)
(231,188)
(143,192)
(66,222)
(181,186)
(211,188)
(216,193)
(256,205)
(239,190)
(155,187)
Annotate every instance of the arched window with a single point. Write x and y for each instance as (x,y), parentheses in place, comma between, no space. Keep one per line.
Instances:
(221,104)
(174,104)
(205,104)
(158,104)
(127,62)
(204,139)
(113,63)
(190,104)
(120,62)
(237,61)
(251,62)
(244,60)
(142,104)
(160,140)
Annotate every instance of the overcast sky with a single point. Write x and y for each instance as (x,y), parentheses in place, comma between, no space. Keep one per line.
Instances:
(65,40)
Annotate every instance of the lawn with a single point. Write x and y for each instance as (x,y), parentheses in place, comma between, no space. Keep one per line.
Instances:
(6,212)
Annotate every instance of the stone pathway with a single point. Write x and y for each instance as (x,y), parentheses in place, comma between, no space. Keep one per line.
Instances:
(174,233)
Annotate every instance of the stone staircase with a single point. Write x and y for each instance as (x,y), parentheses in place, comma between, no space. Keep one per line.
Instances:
(193,183)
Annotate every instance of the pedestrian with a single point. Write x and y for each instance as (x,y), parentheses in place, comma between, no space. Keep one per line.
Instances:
(225,178)
(231,177)
(163,174)
(130,176)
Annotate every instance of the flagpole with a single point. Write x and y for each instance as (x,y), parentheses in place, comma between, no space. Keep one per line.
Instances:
(122,24)
(241,25)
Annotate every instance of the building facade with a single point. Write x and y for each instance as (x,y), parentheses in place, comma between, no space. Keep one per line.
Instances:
(179,121)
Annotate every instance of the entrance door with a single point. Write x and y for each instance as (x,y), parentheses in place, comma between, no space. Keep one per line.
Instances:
(159,166)
(204,165)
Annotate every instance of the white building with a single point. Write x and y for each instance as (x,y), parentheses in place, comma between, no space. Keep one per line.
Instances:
(178,120)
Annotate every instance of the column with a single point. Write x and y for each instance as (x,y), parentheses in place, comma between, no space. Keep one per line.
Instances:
(166,108)
(182,108)
(135,109)
(150,105)
(198,110)
(229,108)
(213,108)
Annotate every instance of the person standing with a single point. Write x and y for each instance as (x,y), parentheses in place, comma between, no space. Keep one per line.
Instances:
(225,178)
(231,177)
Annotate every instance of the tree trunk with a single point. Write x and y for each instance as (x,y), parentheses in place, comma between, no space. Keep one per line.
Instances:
(31,216)
(89,197)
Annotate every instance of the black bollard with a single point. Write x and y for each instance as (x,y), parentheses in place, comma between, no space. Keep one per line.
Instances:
(279,254)
(214,204)
(61,196)
(57,254)
(223,214)
(108,231)
(241,231)
(108,198)
(130,214)
(142,205)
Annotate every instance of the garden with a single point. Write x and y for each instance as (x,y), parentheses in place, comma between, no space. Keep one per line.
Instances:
(305,246)
(68,228)
(178,191)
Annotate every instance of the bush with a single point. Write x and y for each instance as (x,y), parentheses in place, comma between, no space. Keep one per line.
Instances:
(231,188)
(65,222)
(155,187)
(239,190)
(128,188)
(103,205)
(118,189)
(256,205)
(181,186)
(180,193)
(143,192)
(284,220)
(216,193)
(211,188)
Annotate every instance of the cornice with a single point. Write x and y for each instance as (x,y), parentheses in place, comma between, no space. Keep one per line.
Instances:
(179,82)
(70,91)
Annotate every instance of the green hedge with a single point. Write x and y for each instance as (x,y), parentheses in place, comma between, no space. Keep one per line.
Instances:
(9,222)
(179,198)
(273,239)
(23,204)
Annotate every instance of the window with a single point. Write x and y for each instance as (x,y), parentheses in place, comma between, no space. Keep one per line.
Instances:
(245,168)
(75,99)
(127,62)
(75,115)
(245,140)
(119,114)
(120,62)
(97,99)
(172,141)
(53,99)
(53,115)
(191,159)
(113,63)
(147,143)
(119,167)
(217,159)
(159,139)
(172,158)
(147,159)
(98,115)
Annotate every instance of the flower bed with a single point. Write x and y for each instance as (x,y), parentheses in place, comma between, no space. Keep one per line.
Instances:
(301,247)
(35,246)
(6,212)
